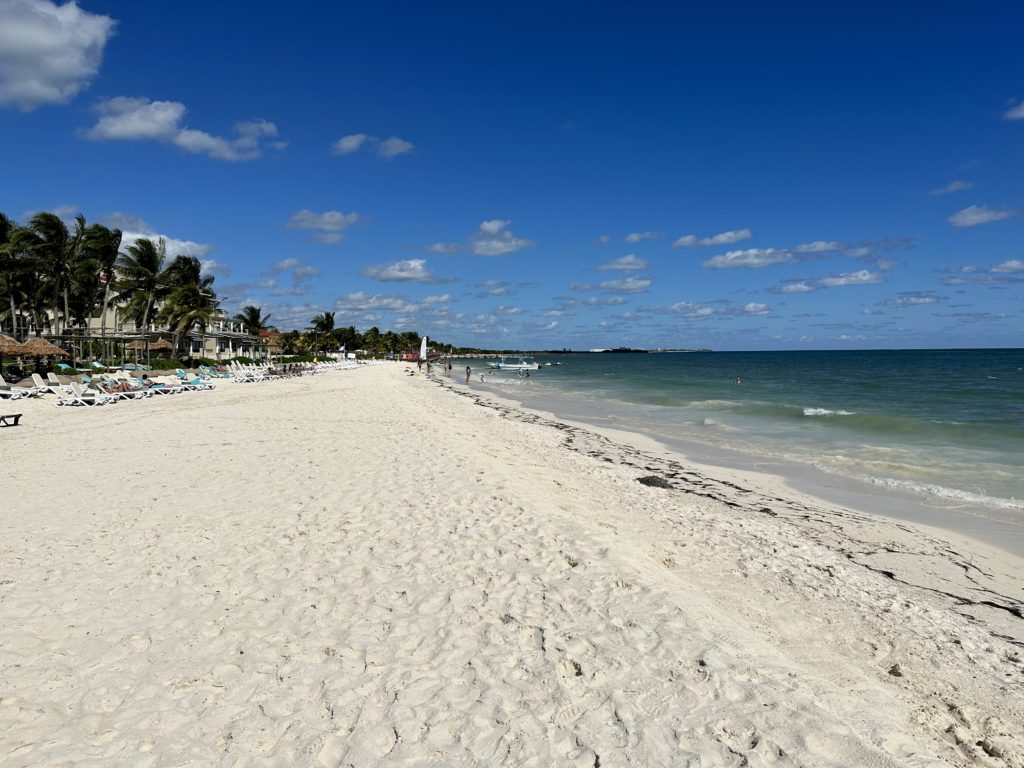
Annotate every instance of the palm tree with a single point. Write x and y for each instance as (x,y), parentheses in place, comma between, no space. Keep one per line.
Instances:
(252,319)
(14,268)
(103,246)
(144,279)
(191,302)
(323,324)
(56,252)
(290,342)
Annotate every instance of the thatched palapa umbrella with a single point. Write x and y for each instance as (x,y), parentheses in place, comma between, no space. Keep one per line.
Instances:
(161,344)
(134,345)
(37,346)
(9,346)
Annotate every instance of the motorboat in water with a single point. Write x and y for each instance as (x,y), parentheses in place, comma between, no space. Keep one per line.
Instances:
(522,363)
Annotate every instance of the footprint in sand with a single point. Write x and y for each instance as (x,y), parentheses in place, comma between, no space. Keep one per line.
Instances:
(137,642)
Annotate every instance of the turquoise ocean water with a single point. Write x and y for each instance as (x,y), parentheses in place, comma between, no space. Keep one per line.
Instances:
(941,431)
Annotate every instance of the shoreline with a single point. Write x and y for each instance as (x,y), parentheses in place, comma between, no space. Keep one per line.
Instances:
(370,568)
(958,518)
(763,492)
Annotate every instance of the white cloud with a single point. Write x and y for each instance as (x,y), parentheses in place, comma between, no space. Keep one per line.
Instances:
(361,301)
(819,246)
(446,247)
(759,310)
(1013,265)
(175,246)
(214,267)
(442,298)
(860,277)
(603,239)
(493,226)
(329,223)
(349,144)
(722,238)
(754,258)
(727,238)
(627,263)
(795,286)
(974,215)
(284,264)
(131,118)
(957,185)
(691,310)
(1016,112)
(393,147)
(48,52)
(404,271)
(386,148)
(636,237)
(494,239)
(628,285)
(912,299)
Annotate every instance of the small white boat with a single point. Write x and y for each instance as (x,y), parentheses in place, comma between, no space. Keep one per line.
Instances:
(523,363)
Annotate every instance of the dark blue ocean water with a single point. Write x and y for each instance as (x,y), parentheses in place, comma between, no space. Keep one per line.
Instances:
(946,425)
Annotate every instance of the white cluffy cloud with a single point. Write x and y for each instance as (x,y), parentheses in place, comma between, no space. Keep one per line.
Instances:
(628,285)
(629,263)
(957,185)
(48,52)
(998,275)
(974,215)
(722,238)
(492,238)
(860,277)
(495,239)
(329,223)
(133,229)
(636,237)
(913,299)
(1016,112)
(130,118)
(755,258)
(404,271)
(386,148)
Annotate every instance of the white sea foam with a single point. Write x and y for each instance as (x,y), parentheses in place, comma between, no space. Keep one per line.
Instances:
(951,494)
(826,412)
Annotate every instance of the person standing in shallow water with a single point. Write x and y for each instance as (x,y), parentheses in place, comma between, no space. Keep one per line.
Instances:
(469,372)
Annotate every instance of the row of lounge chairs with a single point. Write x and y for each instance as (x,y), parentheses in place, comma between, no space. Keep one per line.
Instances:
(110,388)
(248,374)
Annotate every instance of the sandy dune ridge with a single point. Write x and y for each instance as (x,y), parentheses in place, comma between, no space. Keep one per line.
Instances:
(363,568)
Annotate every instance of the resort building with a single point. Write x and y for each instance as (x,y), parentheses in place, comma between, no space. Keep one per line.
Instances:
(223,339)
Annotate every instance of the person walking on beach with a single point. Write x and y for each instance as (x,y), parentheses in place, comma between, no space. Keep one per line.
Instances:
(469,372)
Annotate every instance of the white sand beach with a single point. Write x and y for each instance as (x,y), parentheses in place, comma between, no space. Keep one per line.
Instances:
(364,568)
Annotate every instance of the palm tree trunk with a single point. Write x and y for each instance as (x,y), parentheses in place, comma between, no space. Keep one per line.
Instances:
(103,313)
(67,313)
(14,315)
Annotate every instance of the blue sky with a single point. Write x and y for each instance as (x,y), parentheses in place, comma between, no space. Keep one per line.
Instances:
(547,175)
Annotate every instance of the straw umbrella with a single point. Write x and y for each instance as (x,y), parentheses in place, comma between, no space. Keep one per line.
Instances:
(161,344)
(9,346)
(39,347)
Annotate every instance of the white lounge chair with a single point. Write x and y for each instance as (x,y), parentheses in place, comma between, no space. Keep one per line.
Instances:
(78,397)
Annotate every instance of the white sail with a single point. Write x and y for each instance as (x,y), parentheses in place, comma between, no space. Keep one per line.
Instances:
(423,349)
